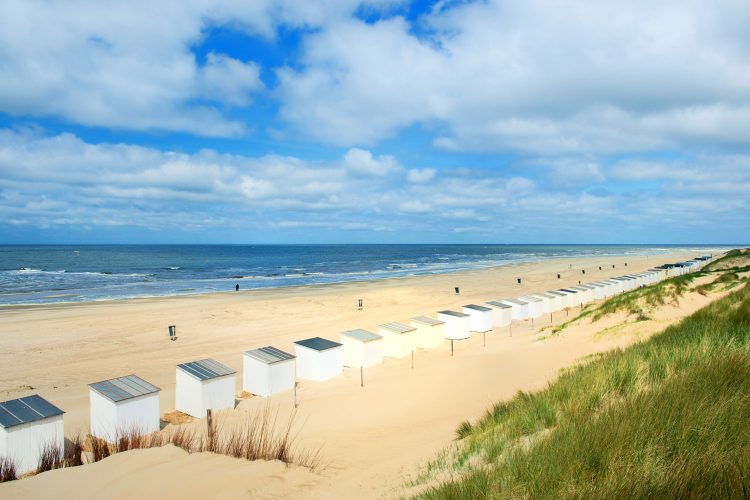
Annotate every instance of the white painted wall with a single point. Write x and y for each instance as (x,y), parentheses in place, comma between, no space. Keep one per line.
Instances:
(479,321)
(266,380)
(456,328)
(356,353)
(428,336)
(109,418)
(195,397)
(397,345)
(24,443)
(501,316)
(318,365)
(520,311)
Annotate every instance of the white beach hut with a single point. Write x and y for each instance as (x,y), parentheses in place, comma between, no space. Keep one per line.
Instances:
(520,308)
(558,302)
(399,340)
(430,331)
(536,307)
(267,371)
(480,318)
(584,294)
(457,324)
(29,426)
(502,314)
(122,405)
(361,349)
(546,304)
(318,359)
(571,298)
(204,385)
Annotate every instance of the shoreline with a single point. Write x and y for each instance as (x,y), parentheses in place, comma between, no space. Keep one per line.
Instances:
(272,289)
(401,416)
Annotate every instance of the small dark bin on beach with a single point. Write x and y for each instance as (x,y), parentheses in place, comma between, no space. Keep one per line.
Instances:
(172,332)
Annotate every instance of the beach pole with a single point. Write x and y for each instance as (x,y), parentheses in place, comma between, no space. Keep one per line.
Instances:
(484,339)
(510,329)
(361,377)
(451,347)
(295,394)
(412,359)
(550,318)
(532,322)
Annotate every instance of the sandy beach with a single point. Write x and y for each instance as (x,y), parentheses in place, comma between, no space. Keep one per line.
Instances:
(371,438)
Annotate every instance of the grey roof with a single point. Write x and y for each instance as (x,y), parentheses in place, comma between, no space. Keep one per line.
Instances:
(516,301)
(455,314)
(557,293)
(206,369)
(269,355)
(426,320)
(530,298)
(498,305)
(476,307)
(24,410)
(397,327)
(318,343)
(568,290)
(362,335)
(122,388)
(546,295)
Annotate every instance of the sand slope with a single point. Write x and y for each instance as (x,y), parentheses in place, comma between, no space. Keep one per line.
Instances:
(371,438)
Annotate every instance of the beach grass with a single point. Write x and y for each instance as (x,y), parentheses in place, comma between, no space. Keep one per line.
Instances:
(663,418)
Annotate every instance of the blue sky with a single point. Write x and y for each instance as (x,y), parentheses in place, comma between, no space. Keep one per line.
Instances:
(390,121)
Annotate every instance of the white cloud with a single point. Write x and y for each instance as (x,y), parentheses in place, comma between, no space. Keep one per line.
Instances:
(531,76)
(361,162)
(419,175)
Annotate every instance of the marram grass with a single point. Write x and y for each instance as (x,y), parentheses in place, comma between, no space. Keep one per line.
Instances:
(669,417)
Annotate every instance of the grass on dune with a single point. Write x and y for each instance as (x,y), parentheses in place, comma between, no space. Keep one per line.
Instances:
(663,418)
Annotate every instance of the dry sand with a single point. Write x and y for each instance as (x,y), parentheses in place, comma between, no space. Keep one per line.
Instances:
(372,438)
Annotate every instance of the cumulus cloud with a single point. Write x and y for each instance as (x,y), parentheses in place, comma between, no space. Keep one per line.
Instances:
(361,162)
(418,175)
(529,76)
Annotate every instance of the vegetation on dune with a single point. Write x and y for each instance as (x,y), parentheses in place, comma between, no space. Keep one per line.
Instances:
(259,437)
(733,260)
(663,418)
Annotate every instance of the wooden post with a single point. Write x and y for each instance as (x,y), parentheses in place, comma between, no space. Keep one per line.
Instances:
(361,377)
(451,347)
(210,430)
(295,394)
(550,318)
(532,322)
(412,359)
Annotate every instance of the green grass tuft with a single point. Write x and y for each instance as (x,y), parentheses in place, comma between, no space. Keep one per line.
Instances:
(663,418)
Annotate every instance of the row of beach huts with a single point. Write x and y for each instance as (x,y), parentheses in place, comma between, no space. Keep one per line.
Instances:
(122,404)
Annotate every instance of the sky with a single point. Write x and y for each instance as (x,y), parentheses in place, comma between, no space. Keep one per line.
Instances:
(345,121)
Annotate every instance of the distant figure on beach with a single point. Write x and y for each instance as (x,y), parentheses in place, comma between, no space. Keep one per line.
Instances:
(359,304)
(237,287)
(457,290)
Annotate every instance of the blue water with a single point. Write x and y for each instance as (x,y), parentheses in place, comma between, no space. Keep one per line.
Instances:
(48,274)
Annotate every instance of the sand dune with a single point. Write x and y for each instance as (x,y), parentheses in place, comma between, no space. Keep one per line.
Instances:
(371,437)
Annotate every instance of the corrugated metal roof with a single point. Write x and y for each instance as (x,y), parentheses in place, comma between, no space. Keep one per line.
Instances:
(269,355)
(122,388)
(479,308)
(362,335)
(25,410)
(498,305)
(397,327)
(455,314)
(518,302)
(206,369)
(530,298)
(568,290)
(426,320)
(318,343)
(557,293)
(546,295)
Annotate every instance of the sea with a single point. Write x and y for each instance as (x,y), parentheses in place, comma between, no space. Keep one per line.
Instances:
(82,273)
